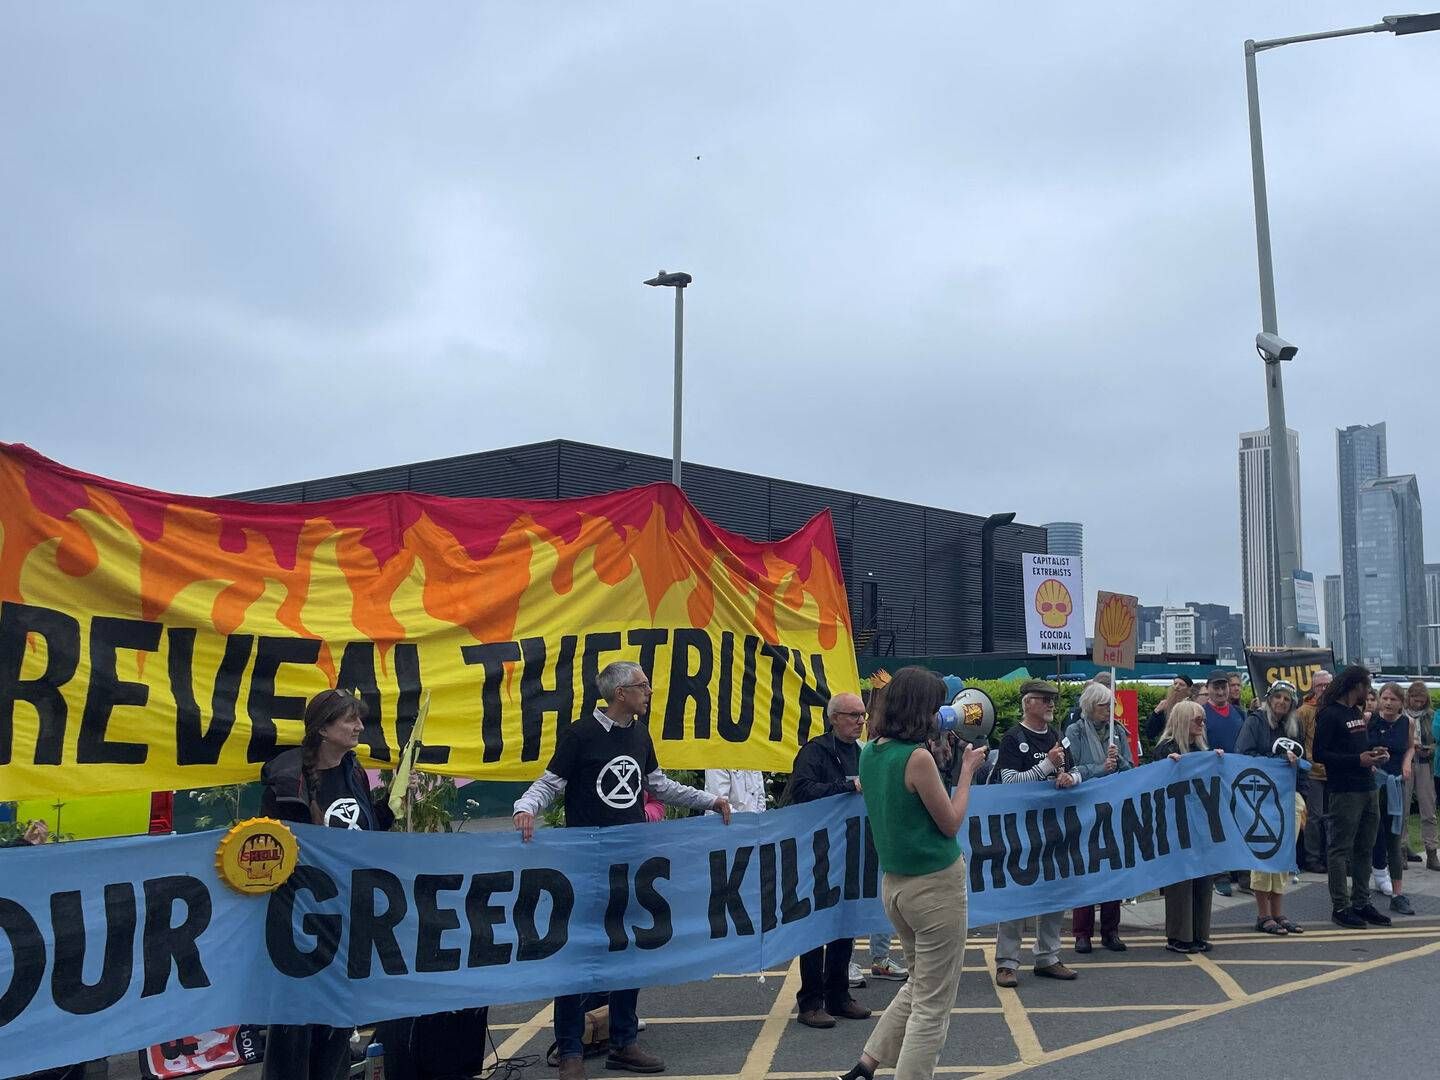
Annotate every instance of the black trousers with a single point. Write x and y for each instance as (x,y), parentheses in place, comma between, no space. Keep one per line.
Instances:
(306,1052)
(825,976)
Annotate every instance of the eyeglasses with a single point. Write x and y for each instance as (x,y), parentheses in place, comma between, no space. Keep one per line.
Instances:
(855,715)
(645,686)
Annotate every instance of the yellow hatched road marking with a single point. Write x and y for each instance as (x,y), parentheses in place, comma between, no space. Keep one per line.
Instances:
(1021,1030)
(1167,1023)
(762,1050)
(525,1032)
(1223,979)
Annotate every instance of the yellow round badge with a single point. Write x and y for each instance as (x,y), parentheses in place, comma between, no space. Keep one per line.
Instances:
(257,856)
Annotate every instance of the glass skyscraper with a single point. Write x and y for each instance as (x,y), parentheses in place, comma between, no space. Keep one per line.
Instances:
(1334,615)
(1359,457)
(1259,556)
(1390,561)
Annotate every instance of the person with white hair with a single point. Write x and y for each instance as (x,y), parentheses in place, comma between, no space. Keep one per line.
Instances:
(1273,730)
(604,764)
(1095,756)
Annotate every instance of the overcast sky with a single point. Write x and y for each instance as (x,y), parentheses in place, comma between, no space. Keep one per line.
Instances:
(981,257)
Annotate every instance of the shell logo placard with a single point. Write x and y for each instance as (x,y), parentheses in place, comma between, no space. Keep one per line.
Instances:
(1052,601)
(257,856)
(1054,604)
(1116,629)
(151,641)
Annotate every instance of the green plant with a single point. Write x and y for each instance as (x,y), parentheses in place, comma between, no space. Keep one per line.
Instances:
(222,805)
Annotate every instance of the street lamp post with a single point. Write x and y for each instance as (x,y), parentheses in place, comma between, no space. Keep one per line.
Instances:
(677,281)
(1273,349)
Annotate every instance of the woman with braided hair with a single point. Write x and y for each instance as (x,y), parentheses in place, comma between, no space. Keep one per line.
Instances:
(320,782)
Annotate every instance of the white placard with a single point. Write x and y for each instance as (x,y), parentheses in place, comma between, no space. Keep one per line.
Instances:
(1054,604)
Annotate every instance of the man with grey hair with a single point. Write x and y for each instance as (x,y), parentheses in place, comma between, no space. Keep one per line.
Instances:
(603,763)
(829,764)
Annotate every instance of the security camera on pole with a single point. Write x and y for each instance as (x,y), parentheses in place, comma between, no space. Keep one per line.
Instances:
(1273,349)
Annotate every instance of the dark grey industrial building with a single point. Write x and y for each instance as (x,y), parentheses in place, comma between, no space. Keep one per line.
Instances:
(912,573)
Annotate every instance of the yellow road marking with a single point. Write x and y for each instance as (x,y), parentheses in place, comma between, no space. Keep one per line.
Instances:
(1283,963)
(762,1050)
(1223,979)
(1021,1030)
(1208,1011)
(1062,1009)
(525,1032)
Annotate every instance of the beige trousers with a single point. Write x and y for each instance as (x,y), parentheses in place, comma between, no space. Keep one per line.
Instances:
(1424,785)
(929,915)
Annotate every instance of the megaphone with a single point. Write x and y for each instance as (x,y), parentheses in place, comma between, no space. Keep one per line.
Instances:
(971,715)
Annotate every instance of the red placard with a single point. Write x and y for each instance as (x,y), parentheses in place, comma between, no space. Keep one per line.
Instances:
(193,1054)
(1127,712)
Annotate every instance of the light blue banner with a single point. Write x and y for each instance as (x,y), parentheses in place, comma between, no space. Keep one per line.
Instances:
(120,944)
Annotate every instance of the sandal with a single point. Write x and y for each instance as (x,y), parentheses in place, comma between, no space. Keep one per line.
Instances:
(1271,926)
(1290,927)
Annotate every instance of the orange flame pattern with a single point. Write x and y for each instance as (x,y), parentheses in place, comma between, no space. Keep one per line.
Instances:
(391,568)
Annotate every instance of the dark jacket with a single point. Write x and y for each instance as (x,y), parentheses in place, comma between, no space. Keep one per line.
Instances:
(1165,747)
(287,796)
(1340,738)
(823,767)
(1257,739)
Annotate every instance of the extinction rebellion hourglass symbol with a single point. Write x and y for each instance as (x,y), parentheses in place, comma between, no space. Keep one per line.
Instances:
(1255,807)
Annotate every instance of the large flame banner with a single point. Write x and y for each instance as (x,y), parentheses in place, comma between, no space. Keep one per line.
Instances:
(151,641)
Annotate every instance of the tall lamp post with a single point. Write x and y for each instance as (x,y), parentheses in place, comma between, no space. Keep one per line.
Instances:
(1272,348)
(677,281)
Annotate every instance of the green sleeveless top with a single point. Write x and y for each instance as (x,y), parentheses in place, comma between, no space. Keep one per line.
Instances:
(906,837)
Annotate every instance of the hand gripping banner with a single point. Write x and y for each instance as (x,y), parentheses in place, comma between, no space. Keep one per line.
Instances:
(116,942)
(152,641)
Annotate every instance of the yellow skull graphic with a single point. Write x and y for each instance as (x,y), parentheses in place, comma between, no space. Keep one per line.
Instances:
(1052,601)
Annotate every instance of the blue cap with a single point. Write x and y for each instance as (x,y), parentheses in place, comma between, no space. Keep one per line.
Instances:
(953,685)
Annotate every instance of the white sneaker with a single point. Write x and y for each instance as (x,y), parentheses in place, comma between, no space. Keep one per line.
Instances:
(1381,882)
(857,977)
(886,968)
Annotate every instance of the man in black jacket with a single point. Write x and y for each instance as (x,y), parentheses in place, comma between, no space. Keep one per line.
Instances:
(829,765)
(1342,745)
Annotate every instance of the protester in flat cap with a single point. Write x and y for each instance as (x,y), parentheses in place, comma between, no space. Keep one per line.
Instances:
(1032,752)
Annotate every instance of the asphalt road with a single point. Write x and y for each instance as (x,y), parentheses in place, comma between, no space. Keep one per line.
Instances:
(1257,1005)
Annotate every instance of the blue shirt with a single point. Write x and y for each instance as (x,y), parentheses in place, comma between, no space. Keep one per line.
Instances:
(1395,737)
(1221,731)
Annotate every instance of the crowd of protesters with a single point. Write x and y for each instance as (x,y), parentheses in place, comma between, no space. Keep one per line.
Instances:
(1360,755)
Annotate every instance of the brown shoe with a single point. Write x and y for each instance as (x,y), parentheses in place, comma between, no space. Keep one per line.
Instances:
(632,1059)
(572,1068)
(816,1018)
(1056,970)
(1006,977)
(851,1010)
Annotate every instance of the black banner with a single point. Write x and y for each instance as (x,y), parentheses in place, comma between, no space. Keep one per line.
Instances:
(1296,666)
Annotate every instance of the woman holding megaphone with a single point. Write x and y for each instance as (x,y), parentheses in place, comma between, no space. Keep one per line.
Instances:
(914,821)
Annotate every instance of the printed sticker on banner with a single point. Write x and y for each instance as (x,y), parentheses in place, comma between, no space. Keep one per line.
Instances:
(257,856)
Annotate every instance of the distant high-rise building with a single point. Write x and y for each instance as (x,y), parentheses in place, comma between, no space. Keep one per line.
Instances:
(1432,592)
(1149,619)
(1218,630)
(1335,614)
(1391,565)
(1066,537)
(1259,555)
(1430,633)
(1179,629)
(1359,457)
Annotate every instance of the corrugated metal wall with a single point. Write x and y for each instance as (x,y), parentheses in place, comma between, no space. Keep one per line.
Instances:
(925,561)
